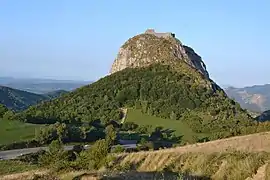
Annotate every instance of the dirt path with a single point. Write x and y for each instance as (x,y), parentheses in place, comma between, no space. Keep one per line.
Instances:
(124,112)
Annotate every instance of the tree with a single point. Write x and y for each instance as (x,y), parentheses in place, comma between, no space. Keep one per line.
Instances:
(129,126)
(157,134)
(9,115)
(118,149)
(110,134)
(46,135)
(3,110)
(95,157)
(55,157)
(62,131)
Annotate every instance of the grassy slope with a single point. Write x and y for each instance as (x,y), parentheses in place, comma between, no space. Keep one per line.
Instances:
(180,127)
(15,131)
(224,165)
(233,158)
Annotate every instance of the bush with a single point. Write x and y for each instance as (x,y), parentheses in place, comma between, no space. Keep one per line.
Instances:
(56,157)
(129,126)
(118,149)
(110,135)
(95,157)
(3,110)
(32,158)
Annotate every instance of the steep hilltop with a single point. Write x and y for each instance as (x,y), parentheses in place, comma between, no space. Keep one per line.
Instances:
(156,74)
(151,47)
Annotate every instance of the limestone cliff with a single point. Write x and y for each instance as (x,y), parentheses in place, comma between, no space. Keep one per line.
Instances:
(151,47)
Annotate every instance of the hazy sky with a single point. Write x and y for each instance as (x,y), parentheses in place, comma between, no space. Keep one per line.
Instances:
(79,39)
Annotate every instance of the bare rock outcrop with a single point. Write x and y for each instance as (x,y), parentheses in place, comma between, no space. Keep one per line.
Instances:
(152,47)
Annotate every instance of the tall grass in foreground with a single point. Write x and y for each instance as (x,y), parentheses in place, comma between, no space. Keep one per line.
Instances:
(227,165)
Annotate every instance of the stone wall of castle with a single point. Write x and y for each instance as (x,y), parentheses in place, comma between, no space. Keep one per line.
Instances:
(164,35)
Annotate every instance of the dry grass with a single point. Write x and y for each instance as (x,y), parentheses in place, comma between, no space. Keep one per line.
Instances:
(24,175)
(233,158)
(224,165)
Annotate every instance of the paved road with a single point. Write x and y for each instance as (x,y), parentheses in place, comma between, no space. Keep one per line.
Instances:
(12,154)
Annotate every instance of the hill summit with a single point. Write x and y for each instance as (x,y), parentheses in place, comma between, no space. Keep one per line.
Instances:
(152,47)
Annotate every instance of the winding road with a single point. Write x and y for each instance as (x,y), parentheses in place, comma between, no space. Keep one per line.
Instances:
(12,154)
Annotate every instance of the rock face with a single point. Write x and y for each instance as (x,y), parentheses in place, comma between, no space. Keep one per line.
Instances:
(151,47)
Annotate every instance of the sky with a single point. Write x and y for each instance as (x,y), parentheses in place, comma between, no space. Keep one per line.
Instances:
(79,40)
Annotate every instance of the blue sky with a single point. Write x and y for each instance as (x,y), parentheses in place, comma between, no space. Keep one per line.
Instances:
(67,39)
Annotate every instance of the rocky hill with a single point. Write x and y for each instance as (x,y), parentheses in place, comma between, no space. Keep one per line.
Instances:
(151,47)
(255,98)
(156,73)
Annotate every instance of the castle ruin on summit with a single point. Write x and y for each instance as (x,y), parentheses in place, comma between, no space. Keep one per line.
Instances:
(164,35)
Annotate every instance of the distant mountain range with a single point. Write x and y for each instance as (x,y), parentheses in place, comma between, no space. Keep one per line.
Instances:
(18,94)
(254,98)
(41,86)
(19,100)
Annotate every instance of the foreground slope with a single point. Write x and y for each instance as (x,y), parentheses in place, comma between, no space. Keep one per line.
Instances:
(233,158)
(159,76)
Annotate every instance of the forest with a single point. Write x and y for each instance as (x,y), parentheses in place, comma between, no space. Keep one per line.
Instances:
(157,90)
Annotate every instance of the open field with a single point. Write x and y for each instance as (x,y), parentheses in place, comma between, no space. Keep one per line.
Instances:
(136,116)
(15,131)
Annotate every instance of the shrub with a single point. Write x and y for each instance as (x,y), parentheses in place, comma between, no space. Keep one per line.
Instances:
(95,157)
(118,149)
(56,157)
